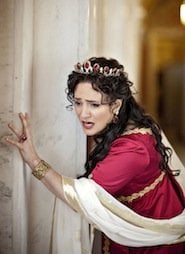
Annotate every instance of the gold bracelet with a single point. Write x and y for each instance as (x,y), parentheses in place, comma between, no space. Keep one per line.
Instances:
(41,169)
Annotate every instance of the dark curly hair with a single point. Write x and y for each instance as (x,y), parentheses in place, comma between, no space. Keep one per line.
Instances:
(116,87)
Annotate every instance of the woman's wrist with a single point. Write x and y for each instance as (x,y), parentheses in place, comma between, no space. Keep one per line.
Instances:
(34,163)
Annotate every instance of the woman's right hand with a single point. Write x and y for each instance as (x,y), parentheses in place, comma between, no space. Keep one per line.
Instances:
(23,141)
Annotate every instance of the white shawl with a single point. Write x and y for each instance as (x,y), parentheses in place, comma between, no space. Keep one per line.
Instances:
(116,220)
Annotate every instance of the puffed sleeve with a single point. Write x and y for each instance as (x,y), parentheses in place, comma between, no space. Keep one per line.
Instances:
(126,159)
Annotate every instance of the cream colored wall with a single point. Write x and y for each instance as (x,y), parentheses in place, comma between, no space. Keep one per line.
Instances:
(40,42)
(116,31)
(6,112)
(60,40)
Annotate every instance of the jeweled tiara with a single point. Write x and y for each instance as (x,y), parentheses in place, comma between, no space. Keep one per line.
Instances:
(87,68)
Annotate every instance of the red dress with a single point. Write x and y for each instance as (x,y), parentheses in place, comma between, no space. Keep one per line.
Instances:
(132,164)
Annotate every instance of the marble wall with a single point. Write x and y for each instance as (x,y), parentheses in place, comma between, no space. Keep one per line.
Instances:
(40,43)
(60,40)
(6,110)
(116,30)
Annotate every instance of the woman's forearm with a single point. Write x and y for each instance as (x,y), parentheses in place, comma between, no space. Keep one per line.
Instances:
(48,176)
(53,181)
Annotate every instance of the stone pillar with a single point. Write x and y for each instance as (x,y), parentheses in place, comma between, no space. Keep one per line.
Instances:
(60,40)
(22,84)
(6,111)
(40,43)
(16,70)
(116,31)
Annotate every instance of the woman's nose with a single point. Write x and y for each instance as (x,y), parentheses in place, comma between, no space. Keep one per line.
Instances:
(85,112)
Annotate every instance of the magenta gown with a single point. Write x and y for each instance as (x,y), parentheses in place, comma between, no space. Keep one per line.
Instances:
(132,164)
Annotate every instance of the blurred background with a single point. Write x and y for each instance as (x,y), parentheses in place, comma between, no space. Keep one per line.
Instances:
(163,68)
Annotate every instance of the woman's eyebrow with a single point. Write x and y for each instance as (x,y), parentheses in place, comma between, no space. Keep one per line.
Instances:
(91,101)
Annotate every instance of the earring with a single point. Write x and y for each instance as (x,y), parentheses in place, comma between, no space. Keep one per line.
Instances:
(115,117)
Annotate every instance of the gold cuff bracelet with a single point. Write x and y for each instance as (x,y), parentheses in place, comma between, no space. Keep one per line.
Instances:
(41,169)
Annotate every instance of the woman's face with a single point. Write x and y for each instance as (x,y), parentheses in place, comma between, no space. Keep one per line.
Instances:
(93,115)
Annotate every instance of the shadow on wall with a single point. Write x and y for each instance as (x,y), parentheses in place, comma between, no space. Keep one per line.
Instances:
(171,103)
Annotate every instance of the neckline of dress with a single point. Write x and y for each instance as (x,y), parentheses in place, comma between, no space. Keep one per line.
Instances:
(138,131)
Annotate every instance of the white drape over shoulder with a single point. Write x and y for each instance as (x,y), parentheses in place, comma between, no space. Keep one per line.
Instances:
(119,222)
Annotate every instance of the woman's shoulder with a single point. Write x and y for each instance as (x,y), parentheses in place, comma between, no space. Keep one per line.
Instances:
(135,140)
(134,136)
(138,131)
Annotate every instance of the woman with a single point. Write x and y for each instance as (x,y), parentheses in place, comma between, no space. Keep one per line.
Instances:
(127,159)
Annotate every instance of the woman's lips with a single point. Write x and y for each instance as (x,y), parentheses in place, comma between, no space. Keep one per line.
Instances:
(87,125)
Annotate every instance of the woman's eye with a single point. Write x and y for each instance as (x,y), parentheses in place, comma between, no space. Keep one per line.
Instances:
(77,103)
(95,105)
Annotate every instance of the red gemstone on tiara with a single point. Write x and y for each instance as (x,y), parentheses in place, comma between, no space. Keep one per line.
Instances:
(87,65)
(96,67)
(106,70)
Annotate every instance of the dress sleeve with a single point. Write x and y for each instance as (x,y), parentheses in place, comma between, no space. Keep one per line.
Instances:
(125,160)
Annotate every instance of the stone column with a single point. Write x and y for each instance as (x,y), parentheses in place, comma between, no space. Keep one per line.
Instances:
(6,114)
(60,40)
(16,70)
(116,31)
(40,43)
(22,85)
